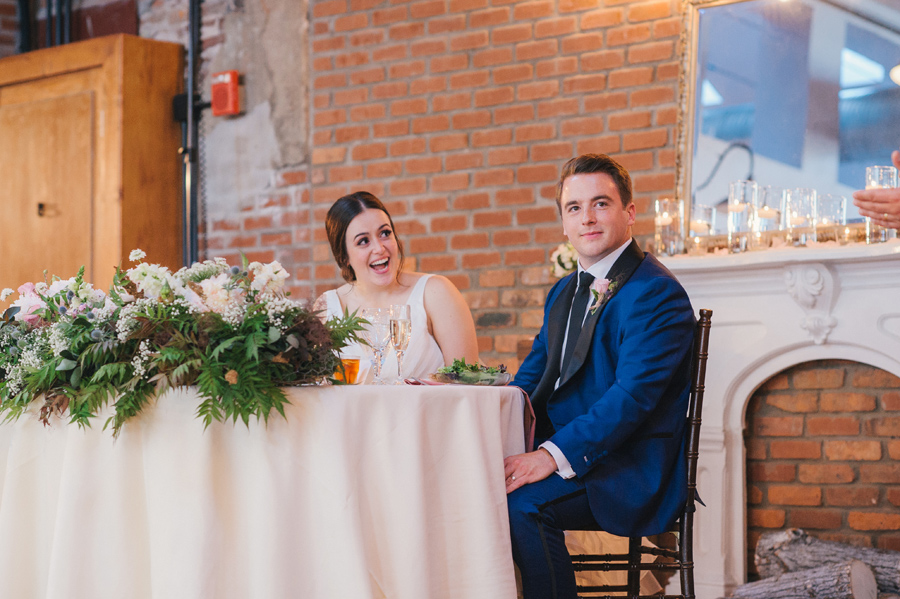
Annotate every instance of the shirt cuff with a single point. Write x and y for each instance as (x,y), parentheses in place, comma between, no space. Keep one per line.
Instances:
(563,467)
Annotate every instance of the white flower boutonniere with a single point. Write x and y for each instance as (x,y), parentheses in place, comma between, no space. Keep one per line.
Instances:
(602,290)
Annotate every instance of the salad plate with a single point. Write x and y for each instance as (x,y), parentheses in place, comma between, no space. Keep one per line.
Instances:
(461,373)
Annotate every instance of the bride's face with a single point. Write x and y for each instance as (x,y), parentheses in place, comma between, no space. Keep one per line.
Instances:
(372,248)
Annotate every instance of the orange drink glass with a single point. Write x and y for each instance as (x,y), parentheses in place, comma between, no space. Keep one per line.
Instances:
(350,370)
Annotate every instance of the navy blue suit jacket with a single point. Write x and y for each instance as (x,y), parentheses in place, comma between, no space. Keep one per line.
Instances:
(619,412)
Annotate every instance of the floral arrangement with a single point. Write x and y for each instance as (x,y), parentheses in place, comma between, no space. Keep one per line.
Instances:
(563,260)
(231,331)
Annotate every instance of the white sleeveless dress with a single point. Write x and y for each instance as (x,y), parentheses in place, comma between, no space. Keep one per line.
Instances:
(423,355)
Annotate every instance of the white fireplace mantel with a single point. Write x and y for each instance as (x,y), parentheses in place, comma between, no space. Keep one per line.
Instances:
(772,310)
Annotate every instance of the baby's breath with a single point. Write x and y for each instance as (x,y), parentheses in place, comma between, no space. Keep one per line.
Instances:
(128,322)
(141,361)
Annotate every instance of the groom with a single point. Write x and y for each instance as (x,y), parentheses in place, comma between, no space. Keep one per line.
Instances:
(609,377)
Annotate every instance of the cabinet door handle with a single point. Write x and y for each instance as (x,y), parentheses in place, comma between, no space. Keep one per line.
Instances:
(41,207)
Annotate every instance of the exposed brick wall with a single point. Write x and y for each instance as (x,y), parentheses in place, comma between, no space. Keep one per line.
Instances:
(9,26)
(459,114)
(167,20)
(823,454)
(274,226)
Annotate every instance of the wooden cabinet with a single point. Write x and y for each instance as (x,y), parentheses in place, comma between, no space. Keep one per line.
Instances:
(89,163)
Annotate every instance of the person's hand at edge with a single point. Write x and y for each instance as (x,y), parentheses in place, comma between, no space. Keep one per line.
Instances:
(881,205)
(526,468)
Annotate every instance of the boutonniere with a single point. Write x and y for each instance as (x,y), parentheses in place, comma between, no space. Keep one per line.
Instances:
(602,290)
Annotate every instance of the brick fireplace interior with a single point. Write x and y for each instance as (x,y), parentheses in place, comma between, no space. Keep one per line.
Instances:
(823,454)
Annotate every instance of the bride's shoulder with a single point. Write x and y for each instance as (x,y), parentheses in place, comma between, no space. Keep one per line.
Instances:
(438,286)
(321,303)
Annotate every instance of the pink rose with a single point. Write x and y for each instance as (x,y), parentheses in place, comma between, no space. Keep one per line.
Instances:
(28,303)
(599,286)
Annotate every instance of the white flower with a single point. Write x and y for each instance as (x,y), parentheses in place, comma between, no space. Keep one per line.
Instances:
(201,270)
(41,288)
(268,278)
(217,295)
(191,297)
(563,260)
(60,285)
(136,255)
(152,279)
(5,294)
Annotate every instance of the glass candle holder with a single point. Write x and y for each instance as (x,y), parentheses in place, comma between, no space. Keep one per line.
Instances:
(667,225)
(697,245)
(743,197)
(879,177)
(769,212)
(831,217)
(800,215)
(702,217)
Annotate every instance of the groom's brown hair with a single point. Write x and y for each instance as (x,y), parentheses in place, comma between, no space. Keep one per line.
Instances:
(596,163)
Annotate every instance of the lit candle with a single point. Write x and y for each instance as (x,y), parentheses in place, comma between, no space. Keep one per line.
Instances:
(847,234)
(700,226)
(767,212)
(738,207)
(797,220)
(663,220)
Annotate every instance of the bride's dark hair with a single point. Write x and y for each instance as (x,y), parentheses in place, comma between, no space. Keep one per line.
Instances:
(341,213)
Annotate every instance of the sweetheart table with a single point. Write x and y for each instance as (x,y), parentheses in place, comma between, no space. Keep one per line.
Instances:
(361,492)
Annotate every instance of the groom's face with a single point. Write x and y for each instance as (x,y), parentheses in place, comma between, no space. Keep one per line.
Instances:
(594,219)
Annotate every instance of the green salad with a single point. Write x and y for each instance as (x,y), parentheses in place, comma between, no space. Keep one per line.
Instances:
(461,372)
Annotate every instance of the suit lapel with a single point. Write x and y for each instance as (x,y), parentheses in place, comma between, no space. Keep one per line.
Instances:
(619,274)
(556,326)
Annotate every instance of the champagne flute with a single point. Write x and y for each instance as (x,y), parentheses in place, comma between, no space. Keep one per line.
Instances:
(400,332)
(377,335)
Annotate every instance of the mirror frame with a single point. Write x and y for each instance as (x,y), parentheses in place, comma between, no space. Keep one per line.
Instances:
(687,89)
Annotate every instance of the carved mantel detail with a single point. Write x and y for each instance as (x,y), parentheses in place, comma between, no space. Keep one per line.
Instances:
(812,286)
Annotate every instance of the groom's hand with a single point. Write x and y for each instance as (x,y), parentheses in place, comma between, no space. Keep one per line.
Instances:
(528,468)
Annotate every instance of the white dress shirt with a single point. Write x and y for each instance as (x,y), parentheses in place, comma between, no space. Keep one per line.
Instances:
(599,270)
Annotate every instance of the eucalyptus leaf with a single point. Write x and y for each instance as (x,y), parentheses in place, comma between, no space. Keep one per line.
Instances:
(274,334)
(10,312)
(66,364)
(75,379)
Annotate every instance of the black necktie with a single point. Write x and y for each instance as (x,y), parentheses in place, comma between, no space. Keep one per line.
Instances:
(576,316)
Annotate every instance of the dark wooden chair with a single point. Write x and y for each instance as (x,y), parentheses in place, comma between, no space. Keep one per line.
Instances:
(682,558)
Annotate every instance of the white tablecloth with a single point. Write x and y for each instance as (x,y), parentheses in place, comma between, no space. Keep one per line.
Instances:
(362,492)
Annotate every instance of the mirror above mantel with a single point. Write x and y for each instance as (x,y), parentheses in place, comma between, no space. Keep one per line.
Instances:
(789,93)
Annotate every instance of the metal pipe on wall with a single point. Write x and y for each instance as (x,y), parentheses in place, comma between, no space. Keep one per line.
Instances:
(49,23)
(191,134)
(59,17)
(67,22)
(24,17)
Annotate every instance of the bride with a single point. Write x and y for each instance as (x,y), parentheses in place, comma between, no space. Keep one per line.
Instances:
(370,256)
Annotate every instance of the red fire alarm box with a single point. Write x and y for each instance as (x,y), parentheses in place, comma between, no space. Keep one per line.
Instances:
(226,94)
